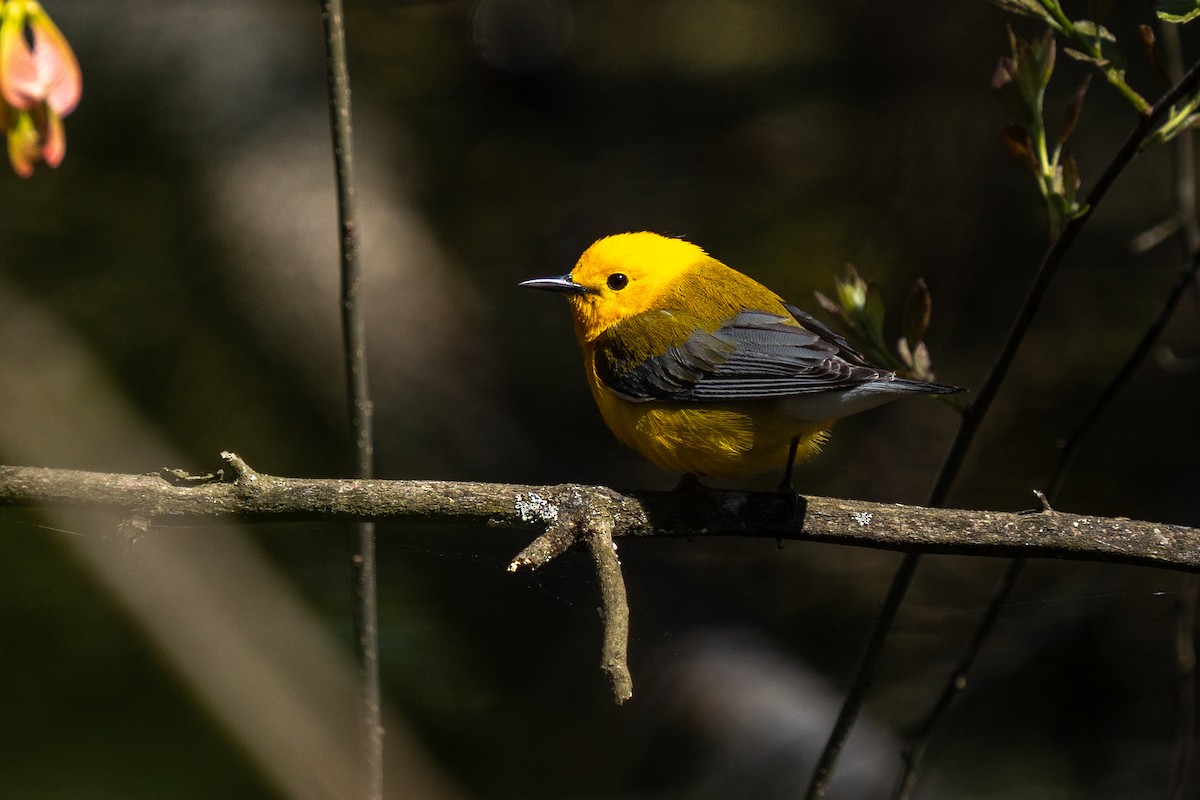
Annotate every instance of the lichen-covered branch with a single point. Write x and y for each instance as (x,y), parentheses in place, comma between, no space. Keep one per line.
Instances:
(595,516)
(172,498)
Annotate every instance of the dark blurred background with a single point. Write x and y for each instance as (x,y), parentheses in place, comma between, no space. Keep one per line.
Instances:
(170,292)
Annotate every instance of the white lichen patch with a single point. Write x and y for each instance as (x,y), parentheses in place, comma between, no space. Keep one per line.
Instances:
(733,502)
(534,509)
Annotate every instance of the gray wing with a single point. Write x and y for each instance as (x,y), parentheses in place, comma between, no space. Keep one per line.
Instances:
(755,355)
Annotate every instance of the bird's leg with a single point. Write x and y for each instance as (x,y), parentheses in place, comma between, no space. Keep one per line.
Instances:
(799,504)
(785,485)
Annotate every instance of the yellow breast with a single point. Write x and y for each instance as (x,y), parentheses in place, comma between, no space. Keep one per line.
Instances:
(718,440)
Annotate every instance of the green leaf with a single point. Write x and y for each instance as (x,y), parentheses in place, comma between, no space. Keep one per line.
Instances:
(851,290)
(1093,31)
(1041,63)
(1180,119)
(1178,10)
(1099,46)
(1028,70)
(1015,103)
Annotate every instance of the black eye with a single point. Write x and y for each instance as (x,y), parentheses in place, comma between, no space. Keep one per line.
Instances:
(617,281)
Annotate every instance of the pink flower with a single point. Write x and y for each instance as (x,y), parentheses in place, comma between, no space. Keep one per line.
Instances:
(38,86)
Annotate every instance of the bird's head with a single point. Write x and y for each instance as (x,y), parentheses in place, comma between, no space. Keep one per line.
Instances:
(620,276)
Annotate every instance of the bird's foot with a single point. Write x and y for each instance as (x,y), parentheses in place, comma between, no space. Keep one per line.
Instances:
(690,482)
(793,498)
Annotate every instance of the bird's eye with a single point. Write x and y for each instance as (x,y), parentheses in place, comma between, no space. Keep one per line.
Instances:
(617,281)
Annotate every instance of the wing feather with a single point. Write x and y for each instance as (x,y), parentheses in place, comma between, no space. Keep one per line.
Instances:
(754,355)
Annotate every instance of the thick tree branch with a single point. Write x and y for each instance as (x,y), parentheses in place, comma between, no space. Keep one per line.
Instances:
(596,516)
(151,501)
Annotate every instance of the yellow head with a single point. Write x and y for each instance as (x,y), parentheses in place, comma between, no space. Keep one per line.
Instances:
(622,275)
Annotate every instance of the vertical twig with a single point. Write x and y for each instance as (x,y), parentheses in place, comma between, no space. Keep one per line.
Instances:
(856,695)
(1185,203)
(971,421)
(1185,612)
(1144,347)
(614,610)
(1185,150)
(978,409)
(958,679)
(358,394)
(957,682)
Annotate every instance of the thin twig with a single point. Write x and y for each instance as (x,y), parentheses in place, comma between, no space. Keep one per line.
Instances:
(973,417)
(857,694)
(614,610)
(1185,150)
(1185,214)
(958,680)
(982,401)
(1144,347)
(1185,209)
(590,516)
(1189,598)
(999,600)
(354,329)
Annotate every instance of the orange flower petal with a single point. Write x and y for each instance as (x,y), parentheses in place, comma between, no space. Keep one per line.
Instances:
(53,139)
(49,72)
(18,72)
(57,68)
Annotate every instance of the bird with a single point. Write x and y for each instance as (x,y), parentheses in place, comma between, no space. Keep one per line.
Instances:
(702,369)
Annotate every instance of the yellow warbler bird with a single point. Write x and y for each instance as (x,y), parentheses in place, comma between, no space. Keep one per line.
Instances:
(706,371)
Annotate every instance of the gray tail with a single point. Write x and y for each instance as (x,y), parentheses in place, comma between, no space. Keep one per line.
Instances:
(924,387)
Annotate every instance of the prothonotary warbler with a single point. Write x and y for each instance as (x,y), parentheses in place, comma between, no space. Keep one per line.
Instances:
(706,371)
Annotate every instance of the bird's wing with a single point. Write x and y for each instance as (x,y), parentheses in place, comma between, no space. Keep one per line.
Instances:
(755,355)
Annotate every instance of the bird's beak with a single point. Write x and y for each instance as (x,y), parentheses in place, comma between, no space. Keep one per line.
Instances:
(562,284)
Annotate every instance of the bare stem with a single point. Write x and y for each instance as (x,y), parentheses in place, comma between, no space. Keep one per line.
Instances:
(972,419)
(975,413)
(1185,622)
(999,600)
(958,680)
(614,611)
(1144,347)
(354,329)
(1185,203)
(863,678)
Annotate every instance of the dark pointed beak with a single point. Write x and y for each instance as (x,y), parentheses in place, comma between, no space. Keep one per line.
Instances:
(562,284)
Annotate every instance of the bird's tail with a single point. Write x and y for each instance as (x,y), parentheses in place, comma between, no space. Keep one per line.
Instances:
(923,387)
